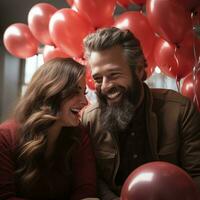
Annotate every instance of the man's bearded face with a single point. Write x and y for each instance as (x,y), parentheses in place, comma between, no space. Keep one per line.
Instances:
(115,117)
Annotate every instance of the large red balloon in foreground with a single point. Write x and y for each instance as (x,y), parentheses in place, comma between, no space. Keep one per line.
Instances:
(159,181)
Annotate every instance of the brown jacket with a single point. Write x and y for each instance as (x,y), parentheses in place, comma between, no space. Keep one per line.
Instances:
(173,126)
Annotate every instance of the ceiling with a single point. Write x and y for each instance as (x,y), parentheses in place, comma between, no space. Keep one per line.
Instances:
(16,11)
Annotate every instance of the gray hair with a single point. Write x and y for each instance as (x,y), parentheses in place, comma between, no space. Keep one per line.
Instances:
(106,38)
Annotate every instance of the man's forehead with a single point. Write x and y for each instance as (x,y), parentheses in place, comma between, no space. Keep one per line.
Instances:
(109,68)
(105,57)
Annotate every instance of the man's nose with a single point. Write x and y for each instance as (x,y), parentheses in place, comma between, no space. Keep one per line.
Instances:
(106,85)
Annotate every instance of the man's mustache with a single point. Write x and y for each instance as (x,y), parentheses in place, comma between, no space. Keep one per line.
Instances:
(110,91)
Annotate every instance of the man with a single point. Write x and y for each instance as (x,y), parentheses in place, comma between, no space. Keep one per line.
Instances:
(132,124)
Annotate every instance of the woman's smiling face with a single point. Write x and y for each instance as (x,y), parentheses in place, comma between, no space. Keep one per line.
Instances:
(69,114)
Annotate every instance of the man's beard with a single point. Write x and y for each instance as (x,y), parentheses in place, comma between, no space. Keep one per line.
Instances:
(116,117)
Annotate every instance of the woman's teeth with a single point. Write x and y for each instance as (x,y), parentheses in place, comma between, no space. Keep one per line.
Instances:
(75,110)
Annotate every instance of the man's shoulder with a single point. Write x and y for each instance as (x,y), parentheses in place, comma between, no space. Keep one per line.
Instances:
(168,95)
(90,113)
(169,104)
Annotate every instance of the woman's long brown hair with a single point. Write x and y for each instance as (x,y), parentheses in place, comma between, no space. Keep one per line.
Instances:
(53,82)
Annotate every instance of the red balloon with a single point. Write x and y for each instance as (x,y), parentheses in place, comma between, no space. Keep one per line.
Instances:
(150,65)
(164,55)
(196,20)
(139,1)
(187,88)
(81,60)
(38,21)
(67,29)
(124,3)
(100,13)
(159,180)
(73,7)
(19,41)
(191,87)
(89,80)
(177,62)
(138,24)
(169,19)
(51,52)
(188,4)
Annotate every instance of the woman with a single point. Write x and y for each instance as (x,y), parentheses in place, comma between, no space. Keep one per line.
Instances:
(44,152)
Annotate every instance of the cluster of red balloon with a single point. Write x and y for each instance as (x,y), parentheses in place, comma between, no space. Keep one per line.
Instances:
(159,181)
(165,32)
(177,49)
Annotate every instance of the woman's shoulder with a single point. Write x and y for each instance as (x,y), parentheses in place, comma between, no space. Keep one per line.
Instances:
(8,132)
(84,137)
(83,131)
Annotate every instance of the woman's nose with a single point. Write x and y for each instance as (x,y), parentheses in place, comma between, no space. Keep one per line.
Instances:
(84,101)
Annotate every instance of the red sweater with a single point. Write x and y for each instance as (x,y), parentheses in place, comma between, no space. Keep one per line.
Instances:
(81,185)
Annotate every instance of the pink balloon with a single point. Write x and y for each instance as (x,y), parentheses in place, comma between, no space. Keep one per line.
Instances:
(51,52)
(99,12)
(169,19)
(19,41)
(159,181)
(67,29)
(138,24)
(38,21)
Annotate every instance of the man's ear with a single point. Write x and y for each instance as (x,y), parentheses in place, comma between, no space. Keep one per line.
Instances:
(141,73)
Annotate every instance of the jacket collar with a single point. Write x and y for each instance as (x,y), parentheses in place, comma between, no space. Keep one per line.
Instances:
(151,122)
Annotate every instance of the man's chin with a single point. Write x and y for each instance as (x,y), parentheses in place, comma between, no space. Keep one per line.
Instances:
(116,115)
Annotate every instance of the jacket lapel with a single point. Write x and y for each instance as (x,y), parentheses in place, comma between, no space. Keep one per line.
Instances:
(151,122)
